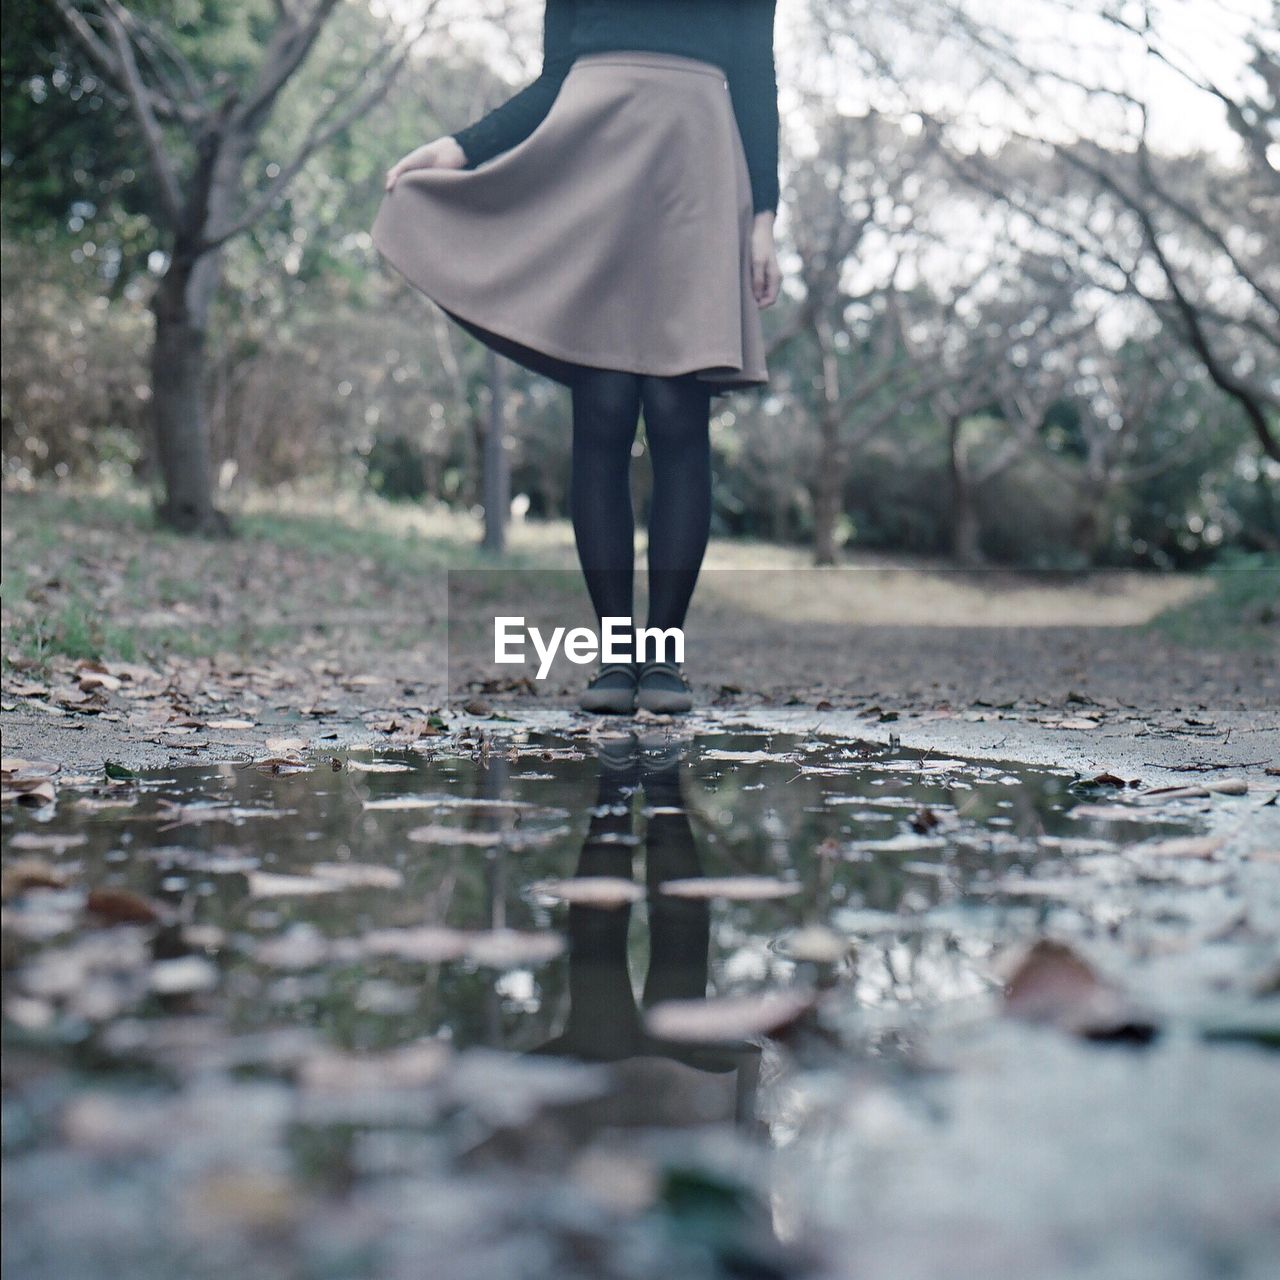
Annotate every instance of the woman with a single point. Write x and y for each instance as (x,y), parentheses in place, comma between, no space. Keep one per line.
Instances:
(611,226)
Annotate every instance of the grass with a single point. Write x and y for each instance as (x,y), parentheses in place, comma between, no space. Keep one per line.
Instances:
(1241,611)
(71,631)
(89,574)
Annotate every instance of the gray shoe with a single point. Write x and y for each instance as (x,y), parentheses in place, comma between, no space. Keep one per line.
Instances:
(612,689)
(662,688)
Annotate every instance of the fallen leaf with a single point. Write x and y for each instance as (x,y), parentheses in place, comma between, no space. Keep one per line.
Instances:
(376,766)
(28,782)
(511,838)
(253,1200)
(359,875)
(924,820)
(1053,985)
(182,815)
(402,804)
(1216,786)
(736,888)
(478,804)
(1109,813)
(122,906)
(591,891)
(726,1017)
(407,1067)
(512,948)
(816,944)
(1181,847)
(302,946)
(270,884)
(183,975)
(281,765)
(425,944)
(51,841)
(91,680)
(30,873)
(756,756)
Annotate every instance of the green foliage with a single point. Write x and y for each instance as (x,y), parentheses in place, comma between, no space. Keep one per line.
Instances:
(325,369)
(1243,609)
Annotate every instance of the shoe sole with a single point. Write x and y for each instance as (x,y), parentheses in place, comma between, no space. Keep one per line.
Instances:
(664,701)
(615,701)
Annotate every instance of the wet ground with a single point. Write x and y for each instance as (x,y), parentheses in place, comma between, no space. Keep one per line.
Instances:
(533,1003)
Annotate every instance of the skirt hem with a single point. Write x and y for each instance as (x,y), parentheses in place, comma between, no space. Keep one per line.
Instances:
(702,370)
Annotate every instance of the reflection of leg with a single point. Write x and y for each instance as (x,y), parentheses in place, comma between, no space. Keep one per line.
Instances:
(679,928)
(603,1022)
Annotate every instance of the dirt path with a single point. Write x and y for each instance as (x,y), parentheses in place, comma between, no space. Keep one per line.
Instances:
(1082,697)
(334,634)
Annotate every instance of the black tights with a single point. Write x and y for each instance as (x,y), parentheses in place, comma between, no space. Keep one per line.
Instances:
(606,409)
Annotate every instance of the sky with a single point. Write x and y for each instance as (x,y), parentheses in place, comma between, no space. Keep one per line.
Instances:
(1067,41)
(1063,37)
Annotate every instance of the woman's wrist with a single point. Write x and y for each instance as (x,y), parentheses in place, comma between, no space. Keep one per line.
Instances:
(765,217)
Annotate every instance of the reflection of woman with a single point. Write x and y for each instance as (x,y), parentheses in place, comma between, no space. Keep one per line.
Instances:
(611,226)
(661,1083)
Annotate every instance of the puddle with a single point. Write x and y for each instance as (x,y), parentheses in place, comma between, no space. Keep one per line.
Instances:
(410,1005)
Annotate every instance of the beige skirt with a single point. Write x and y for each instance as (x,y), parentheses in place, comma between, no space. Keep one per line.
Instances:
(616,235)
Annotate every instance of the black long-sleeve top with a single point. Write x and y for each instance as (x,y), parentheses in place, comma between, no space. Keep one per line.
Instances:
(736,35)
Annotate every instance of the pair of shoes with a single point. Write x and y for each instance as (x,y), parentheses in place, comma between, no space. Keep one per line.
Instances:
(611,689)
(620,687)
(662,688)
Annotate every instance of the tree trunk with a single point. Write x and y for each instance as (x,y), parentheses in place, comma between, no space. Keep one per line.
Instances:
(497,480)
(966,529)
(177,404)
(1088,525)
(181,307)
(828,491)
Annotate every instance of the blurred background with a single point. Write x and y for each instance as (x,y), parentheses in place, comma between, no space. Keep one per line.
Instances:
(1031,314)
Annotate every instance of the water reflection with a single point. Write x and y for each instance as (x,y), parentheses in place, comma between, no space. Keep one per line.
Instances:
(659,1082)
(349,989)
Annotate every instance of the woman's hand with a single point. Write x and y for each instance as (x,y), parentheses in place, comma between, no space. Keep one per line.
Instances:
(443,153)
(766,276)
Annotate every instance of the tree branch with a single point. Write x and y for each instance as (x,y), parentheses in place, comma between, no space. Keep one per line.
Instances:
(320,134)
(140,104)
(287,49)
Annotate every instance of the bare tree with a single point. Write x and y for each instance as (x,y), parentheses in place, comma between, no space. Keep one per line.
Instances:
(1190,237)
(201,135)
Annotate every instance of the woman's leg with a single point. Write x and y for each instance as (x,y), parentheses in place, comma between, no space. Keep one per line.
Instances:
(606,411)
(677,413)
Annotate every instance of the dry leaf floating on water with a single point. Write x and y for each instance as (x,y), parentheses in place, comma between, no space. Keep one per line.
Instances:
(733,888)
(1052,984)
(607,892)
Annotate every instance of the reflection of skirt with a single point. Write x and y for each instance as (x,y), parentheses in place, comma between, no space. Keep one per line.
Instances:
(617,234)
